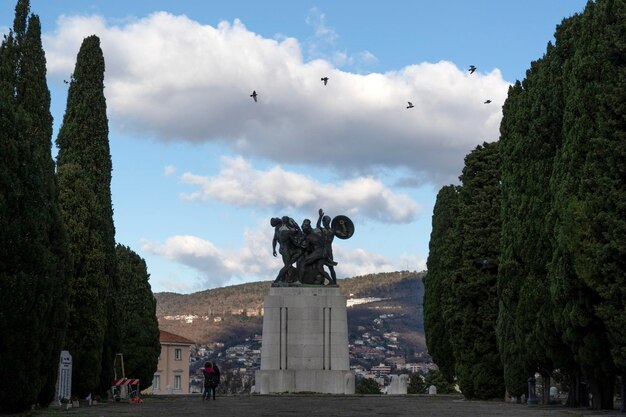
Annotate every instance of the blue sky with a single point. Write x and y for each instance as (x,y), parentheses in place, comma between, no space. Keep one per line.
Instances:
(199,168)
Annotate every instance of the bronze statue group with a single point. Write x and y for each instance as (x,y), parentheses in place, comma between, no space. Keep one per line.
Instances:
(310,249)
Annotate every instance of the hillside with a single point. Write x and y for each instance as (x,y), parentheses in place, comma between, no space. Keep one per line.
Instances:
(231,314)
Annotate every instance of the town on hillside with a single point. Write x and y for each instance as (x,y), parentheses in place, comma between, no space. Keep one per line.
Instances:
(374,353)
(385,328)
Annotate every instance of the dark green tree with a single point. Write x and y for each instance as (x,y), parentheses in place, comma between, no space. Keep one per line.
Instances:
(530,136)
(511,270)
(84,175)
(367,386)
(33,245)
(436,378)
(140,327)
(478,363)
(443,261)
(560,283)
(562,210)
(600,259)
(33,95)
(587,269)
(416,384)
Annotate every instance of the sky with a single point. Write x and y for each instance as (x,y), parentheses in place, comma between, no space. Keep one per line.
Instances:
(199,168)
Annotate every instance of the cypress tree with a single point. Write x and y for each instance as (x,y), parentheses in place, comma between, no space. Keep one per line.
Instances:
(565,123)
(443,260)
(588,185)
(33,247)
(140,327)
(478,365)
(16,284)
(600,259)
(511,274)
(33,95)
(530,137)
(561,280)
(84,174)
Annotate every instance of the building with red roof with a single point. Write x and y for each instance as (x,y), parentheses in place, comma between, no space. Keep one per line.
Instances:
(172,375)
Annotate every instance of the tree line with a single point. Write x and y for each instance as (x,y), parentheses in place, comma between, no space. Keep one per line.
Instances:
(527,255)
(64,282)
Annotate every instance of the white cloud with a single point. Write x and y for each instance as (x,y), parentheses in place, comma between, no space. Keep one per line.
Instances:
(169,170)
(367,57)
(62,46)
(358,262)
(323,45)
(174,282)
(317,20)
(253,261)
(238,183)
(175,79)
(218,267)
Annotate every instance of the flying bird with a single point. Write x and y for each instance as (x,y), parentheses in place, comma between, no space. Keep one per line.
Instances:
(325,79)
(472,69)
(410,106)
(487,101)
(253,95)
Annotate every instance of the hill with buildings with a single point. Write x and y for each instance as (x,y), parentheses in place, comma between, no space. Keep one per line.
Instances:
(383,309)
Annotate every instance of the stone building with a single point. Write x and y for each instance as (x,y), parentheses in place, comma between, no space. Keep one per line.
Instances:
(172,375)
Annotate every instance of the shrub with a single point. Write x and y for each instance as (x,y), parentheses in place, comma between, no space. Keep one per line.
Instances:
(416,385)
(367,386)
(434,377)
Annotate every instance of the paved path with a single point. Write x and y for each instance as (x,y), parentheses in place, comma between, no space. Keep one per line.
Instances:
(322,405)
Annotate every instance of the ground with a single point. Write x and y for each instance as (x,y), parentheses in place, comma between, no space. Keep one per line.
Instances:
(321,405)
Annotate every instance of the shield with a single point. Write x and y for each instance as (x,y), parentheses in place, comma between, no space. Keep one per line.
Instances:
(343,227)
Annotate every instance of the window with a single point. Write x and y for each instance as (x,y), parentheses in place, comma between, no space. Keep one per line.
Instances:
(178,354)
(177,382)
(156,383)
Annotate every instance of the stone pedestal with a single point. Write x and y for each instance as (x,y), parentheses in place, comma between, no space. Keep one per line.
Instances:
(398,385)
(305,342)
(64,379)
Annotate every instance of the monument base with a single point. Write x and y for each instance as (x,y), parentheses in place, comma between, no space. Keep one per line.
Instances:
(305,342)
(304,380)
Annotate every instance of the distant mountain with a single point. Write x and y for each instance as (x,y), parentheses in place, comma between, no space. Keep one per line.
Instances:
(232,314)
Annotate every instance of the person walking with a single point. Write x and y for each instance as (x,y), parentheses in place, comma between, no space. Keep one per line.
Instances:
(208,373)
(215,379)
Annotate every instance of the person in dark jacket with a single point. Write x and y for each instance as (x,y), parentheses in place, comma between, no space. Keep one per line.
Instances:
(208,373)
(215,379)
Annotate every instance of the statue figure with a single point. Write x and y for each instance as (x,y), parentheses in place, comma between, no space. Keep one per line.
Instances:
(288,234)
(328,234)
(312,266)
(309,248)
